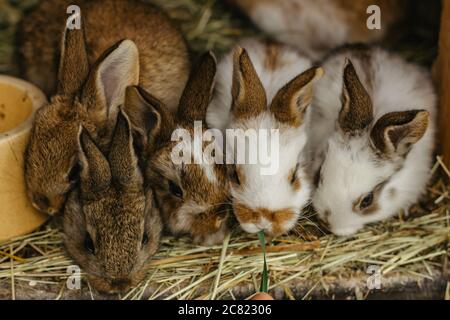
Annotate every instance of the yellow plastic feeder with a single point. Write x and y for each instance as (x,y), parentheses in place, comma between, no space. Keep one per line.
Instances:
(18,102)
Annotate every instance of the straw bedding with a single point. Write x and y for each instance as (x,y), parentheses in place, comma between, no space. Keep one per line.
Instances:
(409,252)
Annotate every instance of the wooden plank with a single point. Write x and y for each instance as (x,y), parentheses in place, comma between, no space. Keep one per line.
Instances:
(443,73)
(393,286)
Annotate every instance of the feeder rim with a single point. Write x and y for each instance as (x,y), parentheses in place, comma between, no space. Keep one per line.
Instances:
(38,99)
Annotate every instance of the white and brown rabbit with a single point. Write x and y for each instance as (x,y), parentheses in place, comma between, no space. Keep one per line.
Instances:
(91,84)
(317,26)
(192,195)
(110,225)
(260,87)
(372,136)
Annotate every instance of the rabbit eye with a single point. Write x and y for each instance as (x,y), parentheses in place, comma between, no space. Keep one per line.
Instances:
(318,177)
(89,244)
(144,239)
(367,201)
(175,189)
(74,172)
(41,201)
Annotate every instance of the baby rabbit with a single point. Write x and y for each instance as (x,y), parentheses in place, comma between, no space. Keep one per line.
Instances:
(193,198)
(372,134)
(90,95)
(262,87)
(317,26)
(110,226)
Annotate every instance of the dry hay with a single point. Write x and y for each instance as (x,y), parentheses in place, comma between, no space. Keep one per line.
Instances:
(407,247)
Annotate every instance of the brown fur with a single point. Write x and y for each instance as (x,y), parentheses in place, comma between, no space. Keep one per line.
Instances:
(278,218)
(203,210)
(294,180)
(354,13)
(357,111)
(163,62)
(151,122)
(396,132)
(163,52)
(272,61)
(112,207)
(291,101)
(197,94)
(249,95)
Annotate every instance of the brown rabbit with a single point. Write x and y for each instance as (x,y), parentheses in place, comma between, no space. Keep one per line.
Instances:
(163,52)
(192,198)
(317,26)
(90,95)
(110,226)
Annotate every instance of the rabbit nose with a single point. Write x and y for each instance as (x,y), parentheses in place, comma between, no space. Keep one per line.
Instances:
(263,225)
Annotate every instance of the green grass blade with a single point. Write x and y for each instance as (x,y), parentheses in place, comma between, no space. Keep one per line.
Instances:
(265,273)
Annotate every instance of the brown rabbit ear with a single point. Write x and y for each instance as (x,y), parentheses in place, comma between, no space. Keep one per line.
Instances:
(357,111)
(396,132)
(73,65)
(148,116)
(122,158)
(198,91)
(95,173)
(115,70)
(249,95)
(290,103)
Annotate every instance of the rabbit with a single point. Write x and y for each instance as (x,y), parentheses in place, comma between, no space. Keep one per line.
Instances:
(193,198)
(372,137)
(163,52)
(90,85)
(110,225)
(262,86)
(317,26)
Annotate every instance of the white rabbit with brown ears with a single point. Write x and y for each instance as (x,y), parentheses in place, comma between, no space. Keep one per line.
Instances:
(266,86)
(372,136)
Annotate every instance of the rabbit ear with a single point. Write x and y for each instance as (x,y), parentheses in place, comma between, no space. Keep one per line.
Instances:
(357,111)
(148,116)
(396,132)
(122,158)
(249,95)
(73,65)
(290,103)
(95,173)
(196,96)
(104,91)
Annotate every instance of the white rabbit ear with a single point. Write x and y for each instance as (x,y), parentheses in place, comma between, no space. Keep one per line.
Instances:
(95,172)
(396,132)
(290,103)
(249,95)
(73,65)
(115,70)
(357,112)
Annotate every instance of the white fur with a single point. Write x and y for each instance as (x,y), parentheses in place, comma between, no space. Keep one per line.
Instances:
(350,169)
(313,26)
(272,192)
